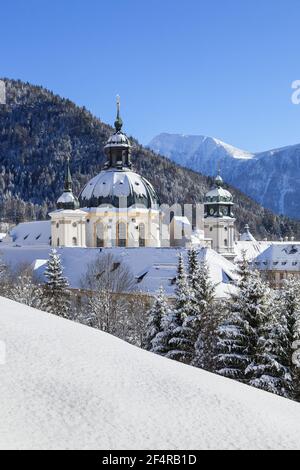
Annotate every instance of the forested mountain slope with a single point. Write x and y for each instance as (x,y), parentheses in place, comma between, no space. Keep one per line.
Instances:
(39,129)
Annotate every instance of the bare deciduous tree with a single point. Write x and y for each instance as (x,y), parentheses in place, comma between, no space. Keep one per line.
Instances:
(108,272)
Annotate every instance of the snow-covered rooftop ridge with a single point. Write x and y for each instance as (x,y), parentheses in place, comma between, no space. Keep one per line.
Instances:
(181,219)
(251,248)
(146,264)
(31,233)
(67,386)
(279,257)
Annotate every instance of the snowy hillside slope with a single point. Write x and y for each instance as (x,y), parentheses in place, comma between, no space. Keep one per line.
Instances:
(66,386)
(271,178)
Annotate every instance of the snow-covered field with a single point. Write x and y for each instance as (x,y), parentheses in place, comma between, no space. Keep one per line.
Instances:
(66,386)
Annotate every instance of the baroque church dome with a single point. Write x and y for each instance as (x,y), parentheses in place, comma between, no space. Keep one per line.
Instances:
(117,184)
(118,188)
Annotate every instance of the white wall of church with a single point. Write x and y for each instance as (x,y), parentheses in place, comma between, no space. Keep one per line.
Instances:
(221,232)
(109,227)
(68,228)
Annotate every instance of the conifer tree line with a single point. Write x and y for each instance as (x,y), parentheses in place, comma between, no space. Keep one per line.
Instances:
(251,337)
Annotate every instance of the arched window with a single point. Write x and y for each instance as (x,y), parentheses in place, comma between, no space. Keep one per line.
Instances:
(100,232)
(142,235)
(121,234)
(225,242)
(57,242)
(74,241)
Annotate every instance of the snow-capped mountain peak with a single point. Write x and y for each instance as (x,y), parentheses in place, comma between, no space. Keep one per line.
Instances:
(272,178)
(181,148)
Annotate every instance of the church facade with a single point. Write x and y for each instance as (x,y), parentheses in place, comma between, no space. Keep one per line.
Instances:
(120,208)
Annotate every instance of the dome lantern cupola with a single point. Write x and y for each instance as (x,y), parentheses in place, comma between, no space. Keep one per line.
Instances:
(218,201)
(117,184)
(118,147)
(67,200)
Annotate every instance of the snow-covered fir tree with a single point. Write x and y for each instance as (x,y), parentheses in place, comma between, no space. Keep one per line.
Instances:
(278,372)
(202,293)
(56,297)
(273,371)
(257,316)
(180,343)
(289,305)
(158,325)
(155,314)
(238,336)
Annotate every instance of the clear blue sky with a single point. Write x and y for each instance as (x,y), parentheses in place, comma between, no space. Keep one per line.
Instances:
(215,67)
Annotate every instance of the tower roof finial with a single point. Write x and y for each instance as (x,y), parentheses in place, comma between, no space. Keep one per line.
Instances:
(218,179)
(68,177)
(67,200)
(118,121)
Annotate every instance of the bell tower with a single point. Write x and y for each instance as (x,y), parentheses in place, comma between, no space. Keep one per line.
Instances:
(68,221)
(219,219)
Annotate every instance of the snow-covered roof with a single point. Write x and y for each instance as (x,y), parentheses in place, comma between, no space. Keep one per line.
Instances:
(31,233)
(66,198)
(151,267)
(118,138)
(183,220)
(112,184)
(251,248)
(279,257)
(218,195)
(67,386)
(247,235)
